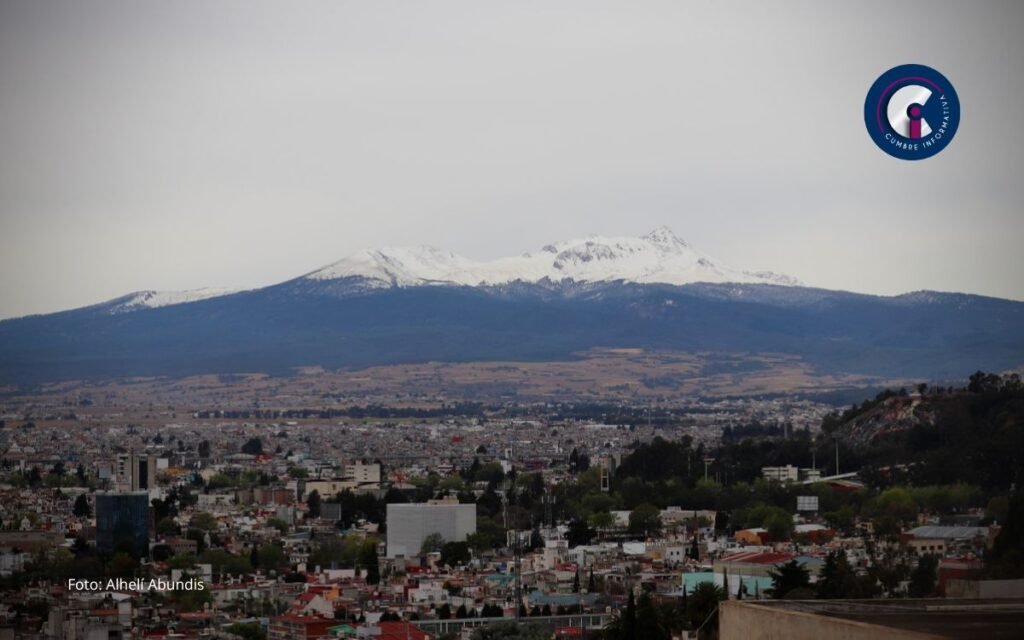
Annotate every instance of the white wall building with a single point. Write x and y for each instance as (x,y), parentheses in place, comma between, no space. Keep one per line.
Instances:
(410,524)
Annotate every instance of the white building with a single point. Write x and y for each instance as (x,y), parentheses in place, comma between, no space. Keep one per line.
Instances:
(410,524)
(788,473)
(362,473)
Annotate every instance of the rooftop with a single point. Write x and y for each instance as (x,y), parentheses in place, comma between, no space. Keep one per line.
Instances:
(943,618)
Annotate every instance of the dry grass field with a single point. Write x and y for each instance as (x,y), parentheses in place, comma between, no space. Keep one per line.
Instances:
(602,375)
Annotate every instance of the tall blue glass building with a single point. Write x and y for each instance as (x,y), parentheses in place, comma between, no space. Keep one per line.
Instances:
(121,519)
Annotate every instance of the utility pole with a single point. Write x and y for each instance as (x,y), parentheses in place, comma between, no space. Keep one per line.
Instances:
(707,461)
(837,455)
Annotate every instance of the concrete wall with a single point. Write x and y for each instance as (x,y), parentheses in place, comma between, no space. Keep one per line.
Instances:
(956,588)
(741,620)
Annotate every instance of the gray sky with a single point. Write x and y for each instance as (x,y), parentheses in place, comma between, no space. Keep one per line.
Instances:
(175,145)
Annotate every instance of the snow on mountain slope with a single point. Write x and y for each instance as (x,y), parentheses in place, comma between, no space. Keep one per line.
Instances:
(153,299)
(658,257)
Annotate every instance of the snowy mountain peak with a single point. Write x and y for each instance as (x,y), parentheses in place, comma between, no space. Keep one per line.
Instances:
(664,237)
(658,257)
(152,299)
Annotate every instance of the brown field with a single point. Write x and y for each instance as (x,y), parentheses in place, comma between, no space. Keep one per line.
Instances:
(602,375)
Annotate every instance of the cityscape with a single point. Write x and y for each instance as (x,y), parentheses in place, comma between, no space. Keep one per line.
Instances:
(470,320)
(453,520)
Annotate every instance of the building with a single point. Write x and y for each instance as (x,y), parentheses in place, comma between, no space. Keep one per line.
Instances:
(788,473)
(897,619)
(410,524)
(122,518)
(134,472)
(302,627)
(938,540)
(330,511)
(753,569)
(362,473)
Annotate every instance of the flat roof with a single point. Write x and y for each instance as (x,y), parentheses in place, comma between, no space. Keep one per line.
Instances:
(942,617)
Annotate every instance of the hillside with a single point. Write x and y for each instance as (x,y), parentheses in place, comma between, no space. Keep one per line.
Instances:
(973,434)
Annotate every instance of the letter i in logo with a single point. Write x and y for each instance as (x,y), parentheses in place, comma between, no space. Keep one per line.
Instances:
(904,111)
(915,121)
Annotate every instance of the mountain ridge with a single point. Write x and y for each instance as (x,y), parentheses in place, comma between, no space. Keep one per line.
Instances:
(348,318)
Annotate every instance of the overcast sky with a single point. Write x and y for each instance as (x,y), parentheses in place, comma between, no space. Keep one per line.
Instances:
(175,145)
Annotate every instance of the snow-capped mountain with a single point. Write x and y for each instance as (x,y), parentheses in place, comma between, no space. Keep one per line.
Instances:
(153,299)
(396,306)
(658,257)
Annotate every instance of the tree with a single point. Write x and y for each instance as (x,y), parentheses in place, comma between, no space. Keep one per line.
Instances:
(645,520)
(279,524)
(368,560)
(454,553)
(652,623)
(204,521)
(81,508)
(204,449)
(253,447)
(313,504)
(628,631)
(511,631)
(779,525)
(1006,560)
(924,577)
(432,544)
(838,579)
(122,565)
(702,608)
(694,552)
(247,630)
(579,533)
(491,611)
(788,577)
(271,556)
(167,527)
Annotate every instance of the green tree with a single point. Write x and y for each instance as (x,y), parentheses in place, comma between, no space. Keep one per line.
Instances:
(839,580)
(368,560)
(645,520)
(779,525)
(702,608)
(432,544)
(454,554)
(203,521)
(167,527)
(82,508)
(788,577)
(253,446)
(1006,560)
(272,556)
(924,577)
(247,630)
(313,504)
(279,524)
